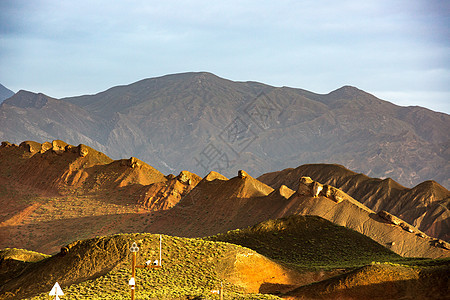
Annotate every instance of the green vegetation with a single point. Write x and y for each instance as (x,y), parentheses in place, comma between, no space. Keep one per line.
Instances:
(191,269)
(309,242)
(100,268)
(417,262)
(21,255)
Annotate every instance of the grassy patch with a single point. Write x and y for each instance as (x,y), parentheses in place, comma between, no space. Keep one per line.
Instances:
(191,269)
(309,242)
(21,255)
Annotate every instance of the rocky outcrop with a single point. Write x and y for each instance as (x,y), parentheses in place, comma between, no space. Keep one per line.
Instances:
(389,217)
(304,187)
(441,244)
(6,144)
(213,176)
(183,177)
(309,187)
(82,150)
(242,174)
(45,147)
(316,189)
(30,146)
(425,205)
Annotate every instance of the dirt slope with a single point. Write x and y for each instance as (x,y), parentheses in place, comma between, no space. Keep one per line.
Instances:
(426,205)
(220,205)
(60,169)
(346,211)
(78,191)
(217,204)
(94,195)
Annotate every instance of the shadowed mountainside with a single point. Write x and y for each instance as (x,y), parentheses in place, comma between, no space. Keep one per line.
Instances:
(53,193)
(380,281)
(5,93)
(426,206)
(201,122)
(298,239)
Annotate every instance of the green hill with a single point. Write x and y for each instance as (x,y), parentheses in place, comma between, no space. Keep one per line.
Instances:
(100,268)
(295,257)
(309,242)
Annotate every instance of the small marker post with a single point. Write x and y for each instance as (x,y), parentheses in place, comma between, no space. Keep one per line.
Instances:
(219,292)
(56,291)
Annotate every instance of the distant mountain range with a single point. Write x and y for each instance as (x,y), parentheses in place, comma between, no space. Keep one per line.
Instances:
(200,122)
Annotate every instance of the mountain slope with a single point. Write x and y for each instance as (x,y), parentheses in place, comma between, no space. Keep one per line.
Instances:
(53,193)
(219,205)
(201,122)
(99,268)
(37,117)
(380,281)
(5,93)
(308,241)
(84,193)
(426,206)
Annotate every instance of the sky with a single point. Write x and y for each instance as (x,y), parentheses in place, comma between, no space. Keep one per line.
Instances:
(397,50)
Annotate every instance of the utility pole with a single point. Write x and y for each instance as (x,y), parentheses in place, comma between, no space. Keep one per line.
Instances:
(148,265)
(160,259)
(134,249)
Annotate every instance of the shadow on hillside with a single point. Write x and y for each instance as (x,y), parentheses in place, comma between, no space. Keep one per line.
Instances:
(275,288)
(434,286)
(377,218)
(49,236)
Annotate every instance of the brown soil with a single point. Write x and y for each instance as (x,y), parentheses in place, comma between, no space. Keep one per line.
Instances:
(54,193)
(425,206)
(80,193)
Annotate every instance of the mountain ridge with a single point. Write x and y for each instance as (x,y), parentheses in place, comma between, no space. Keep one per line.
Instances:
(173,121)
(428,200)
(84,193)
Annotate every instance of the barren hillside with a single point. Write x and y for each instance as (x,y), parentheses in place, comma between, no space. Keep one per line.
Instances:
(425,206)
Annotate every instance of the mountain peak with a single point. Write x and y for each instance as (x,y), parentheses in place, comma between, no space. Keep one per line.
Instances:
(26,99)
(347,92)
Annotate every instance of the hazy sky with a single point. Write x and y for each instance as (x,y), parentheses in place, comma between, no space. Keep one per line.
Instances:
(397,50)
